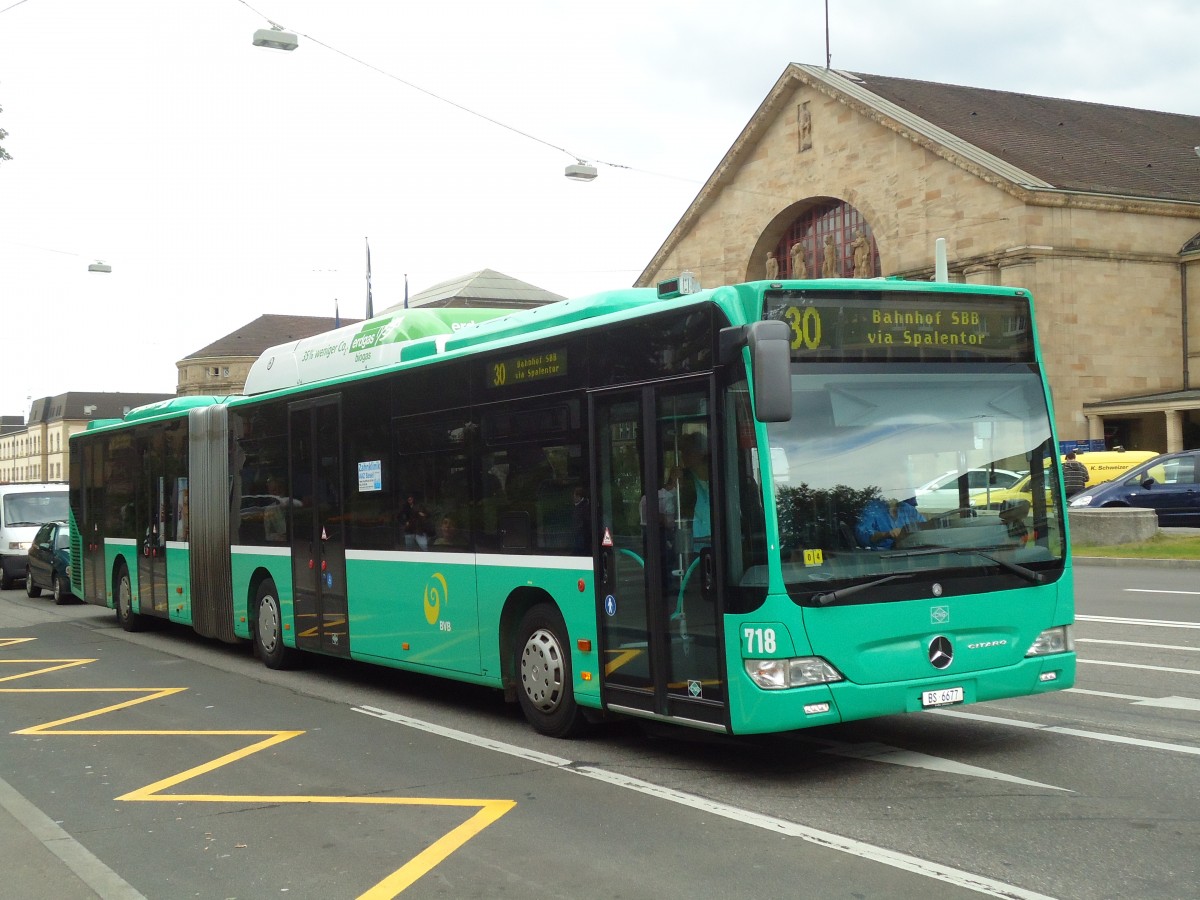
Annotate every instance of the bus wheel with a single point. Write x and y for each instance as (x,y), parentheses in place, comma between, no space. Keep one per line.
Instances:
(31,589)
(268,629)
(60,593)
(543,669)
(126,617)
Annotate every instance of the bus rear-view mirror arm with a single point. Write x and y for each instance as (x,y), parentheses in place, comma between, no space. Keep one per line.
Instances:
(770,360)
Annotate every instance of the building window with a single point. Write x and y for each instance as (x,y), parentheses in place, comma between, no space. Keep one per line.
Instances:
(838,220)
(215,371)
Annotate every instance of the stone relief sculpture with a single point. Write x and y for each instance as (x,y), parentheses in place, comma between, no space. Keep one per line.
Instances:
(799,260)
(864,264)
(829,265)
(772,267)
(804,129)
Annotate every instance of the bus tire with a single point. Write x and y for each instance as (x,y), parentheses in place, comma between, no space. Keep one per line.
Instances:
(542,663)
(268,629)
(123,589)
(31,589)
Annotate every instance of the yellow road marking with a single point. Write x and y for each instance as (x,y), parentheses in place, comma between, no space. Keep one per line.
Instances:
(398,881)
(62,664)
(619,658)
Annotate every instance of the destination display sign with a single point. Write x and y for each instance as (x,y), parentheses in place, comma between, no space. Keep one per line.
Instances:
(884,326)
(518,370)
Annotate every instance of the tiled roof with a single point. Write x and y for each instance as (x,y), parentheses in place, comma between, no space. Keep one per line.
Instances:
(482,289)
(266,331)
(1031,143)
(89,405)
(1070,144)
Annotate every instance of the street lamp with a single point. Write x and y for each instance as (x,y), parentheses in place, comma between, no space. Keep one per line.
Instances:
(99,266)
(275,38)
(581,171)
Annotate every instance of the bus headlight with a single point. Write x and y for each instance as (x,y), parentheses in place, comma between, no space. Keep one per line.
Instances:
(800,671)
(1053,640)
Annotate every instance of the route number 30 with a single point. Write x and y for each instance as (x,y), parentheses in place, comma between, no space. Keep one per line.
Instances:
(806,328)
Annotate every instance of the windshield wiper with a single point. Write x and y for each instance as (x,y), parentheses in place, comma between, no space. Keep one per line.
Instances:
(16,524)
(830,597)
(1028,574)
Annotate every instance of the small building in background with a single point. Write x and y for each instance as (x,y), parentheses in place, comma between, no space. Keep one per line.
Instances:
(37,450)
(220,368)
(485,289)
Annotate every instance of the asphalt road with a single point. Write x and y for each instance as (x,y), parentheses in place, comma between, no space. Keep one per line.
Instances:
(165,766)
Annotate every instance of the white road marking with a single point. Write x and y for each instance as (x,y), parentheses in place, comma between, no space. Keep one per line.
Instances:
(1121,665)
(956,877)
(1103,694)
(897,757)
(1188,703)
(1074,732)
(1153,623)
(1137,644)
(1153,591)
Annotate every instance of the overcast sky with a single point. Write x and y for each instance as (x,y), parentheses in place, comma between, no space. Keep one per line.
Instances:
(222,181)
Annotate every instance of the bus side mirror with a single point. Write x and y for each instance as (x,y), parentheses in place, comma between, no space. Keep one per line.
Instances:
(770,343)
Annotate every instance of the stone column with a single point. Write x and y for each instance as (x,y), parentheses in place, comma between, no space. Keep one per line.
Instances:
(1174,430)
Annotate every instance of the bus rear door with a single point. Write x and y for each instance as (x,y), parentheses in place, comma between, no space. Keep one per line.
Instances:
(318,541)
(92,527)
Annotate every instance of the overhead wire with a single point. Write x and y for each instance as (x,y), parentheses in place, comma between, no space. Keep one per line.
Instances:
(460,106)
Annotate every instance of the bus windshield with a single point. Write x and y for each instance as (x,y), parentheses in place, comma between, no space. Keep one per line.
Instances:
(919,468)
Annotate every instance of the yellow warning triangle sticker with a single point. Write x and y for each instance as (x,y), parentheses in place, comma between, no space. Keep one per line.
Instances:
(607,542)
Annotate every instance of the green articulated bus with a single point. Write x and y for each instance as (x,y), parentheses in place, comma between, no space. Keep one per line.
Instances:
(747,509)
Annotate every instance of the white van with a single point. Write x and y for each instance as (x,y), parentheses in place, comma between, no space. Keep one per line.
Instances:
(23,508)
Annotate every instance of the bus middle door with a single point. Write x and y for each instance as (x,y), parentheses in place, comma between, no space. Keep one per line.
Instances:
(318,537)
(153,522)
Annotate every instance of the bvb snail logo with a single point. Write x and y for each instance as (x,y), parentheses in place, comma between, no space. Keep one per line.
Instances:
(435,592)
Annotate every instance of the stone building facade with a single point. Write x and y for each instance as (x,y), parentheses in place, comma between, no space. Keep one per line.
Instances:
(1095,209)
(220,368)
(37,450)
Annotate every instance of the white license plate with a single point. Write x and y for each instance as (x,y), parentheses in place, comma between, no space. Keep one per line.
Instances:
(942,697)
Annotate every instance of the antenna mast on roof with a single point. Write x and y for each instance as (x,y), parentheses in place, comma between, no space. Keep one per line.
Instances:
(828,55)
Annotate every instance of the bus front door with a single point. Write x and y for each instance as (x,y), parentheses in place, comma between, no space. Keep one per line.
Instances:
(657,521)
(318,542)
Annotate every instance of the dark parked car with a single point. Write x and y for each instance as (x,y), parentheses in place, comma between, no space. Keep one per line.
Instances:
(1168,484)
(50,562)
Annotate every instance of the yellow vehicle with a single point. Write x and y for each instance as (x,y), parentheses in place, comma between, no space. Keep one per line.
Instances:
(1001,499)
(1102,465)
(1105,465)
